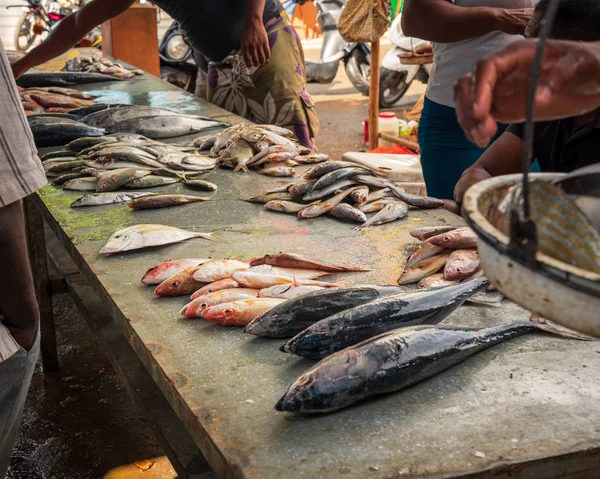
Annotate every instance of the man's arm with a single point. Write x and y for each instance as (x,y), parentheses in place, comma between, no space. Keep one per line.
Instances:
(503,157)
(254,40)
(569,85)
(442,21)
(18,303)
(70,30)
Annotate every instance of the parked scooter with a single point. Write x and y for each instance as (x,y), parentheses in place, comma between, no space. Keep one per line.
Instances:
(356,56)
(395,76)
(177,65)
(39,19)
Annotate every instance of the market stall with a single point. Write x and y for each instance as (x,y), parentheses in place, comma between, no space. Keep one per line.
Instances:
(524,408)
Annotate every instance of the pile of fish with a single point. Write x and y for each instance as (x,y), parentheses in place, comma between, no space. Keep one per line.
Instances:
(235,292)
(109,163)
(101,119)
(447,256)
(98,64)
(347,191)
(53,99)
(268,148)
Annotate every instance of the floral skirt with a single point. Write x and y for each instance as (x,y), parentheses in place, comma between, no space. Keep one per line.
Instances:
(274,93)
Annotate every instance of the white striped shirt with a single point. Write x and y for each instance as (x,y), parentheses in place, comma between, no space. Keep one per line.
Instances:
(21,171)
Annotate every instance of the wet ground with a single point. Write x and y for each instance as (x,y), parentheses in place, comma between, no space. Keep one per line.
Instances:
(80,423)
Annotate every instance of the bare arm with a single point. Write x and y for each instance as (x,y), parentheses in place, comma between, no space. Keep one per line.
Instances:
(503,157)
(254,40)
(443,22)
(70,30)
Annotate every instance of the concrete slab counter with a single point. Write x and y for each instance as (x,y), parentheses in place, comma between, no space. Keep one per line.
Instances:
(526,408)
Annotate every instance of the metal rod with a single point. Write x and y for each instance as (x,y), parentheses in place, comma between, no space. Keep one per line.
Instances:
(528,152)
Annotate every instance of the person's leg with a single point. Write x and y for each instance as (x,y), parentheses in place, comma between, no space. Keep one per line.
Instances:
(15,378)
(18,303)
(445,150)
(18,307)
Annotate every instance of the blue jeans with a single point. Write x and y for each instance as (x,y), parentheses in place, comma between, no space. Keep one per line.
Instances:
(15,377)
(445,150)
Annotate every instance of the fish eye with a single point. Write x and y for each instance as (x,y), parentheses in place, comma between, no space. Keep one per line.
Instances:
(118,236)
(175,283)
(304,381)
(204,305)
(228,311)
(210,290)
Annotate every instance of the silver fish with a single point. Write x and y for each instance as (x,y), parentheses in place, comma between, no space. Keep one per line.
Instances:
(143,236)
(109,198)
(81,184)
(110,116)
(167,126)
(347,212)
(390,212)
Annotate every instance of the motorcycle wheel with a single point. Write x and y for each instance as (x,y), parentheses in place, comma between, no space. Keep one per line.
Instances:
(358,70)
(392,87)
(24,35)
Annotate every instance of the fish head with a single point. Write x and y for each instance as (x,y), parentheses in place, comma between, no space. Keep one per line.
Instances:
(225,312)
(152,273)
(122,240)
(315,391)
(176,284)
(197,307)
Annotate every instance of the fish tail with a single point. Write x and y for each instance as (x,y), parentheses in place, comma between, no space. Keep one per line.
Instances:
(554,328)
(210,236)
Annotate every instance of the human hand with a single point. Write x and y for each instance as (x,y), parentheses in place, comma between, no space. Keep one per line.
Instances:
(469,178)
(255,43)
(569,85)
(452,207)
(514,20)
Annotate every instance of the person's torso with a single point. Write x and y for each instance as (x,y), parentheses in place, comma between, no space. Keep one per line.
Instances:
(453,60)
(562,147)
(213,27)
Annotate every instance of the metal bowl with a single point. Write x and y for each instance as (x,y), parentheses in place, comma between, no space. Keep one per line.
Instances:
(553,289)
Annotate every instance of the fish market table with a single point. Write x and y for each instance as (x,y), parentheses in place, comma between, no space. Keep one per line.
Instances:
(525,408)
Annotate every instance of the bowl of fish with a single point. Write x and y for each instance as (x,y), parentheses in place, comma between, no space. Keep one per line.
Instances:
(562,282)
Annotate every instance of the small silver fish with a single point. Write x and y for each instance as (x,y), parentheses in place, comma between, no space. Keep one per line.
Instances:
(109,198)
(143,236)
(390,212)
(347,212)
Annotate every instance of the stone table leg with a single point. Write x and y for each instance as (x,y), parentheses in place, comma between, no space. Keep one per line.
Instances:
(39,266)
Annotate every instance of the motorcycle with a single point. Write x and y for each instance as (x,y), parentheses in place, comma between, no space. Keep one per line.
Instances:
(396,77)
(39,19)
(356,56)
(177,59)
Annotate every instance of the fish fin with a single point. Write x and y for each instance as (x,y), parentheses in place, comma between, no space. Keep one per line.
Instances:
(210,236)
(558,329)
(238,167)
(295,282)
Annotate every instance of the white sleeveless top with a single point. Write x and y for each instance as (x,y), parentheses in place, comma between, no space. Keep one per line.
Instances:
(453,60)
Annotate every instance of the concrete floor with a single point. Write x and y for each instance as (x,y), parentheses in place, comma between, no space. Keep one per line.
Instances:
(80,422)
